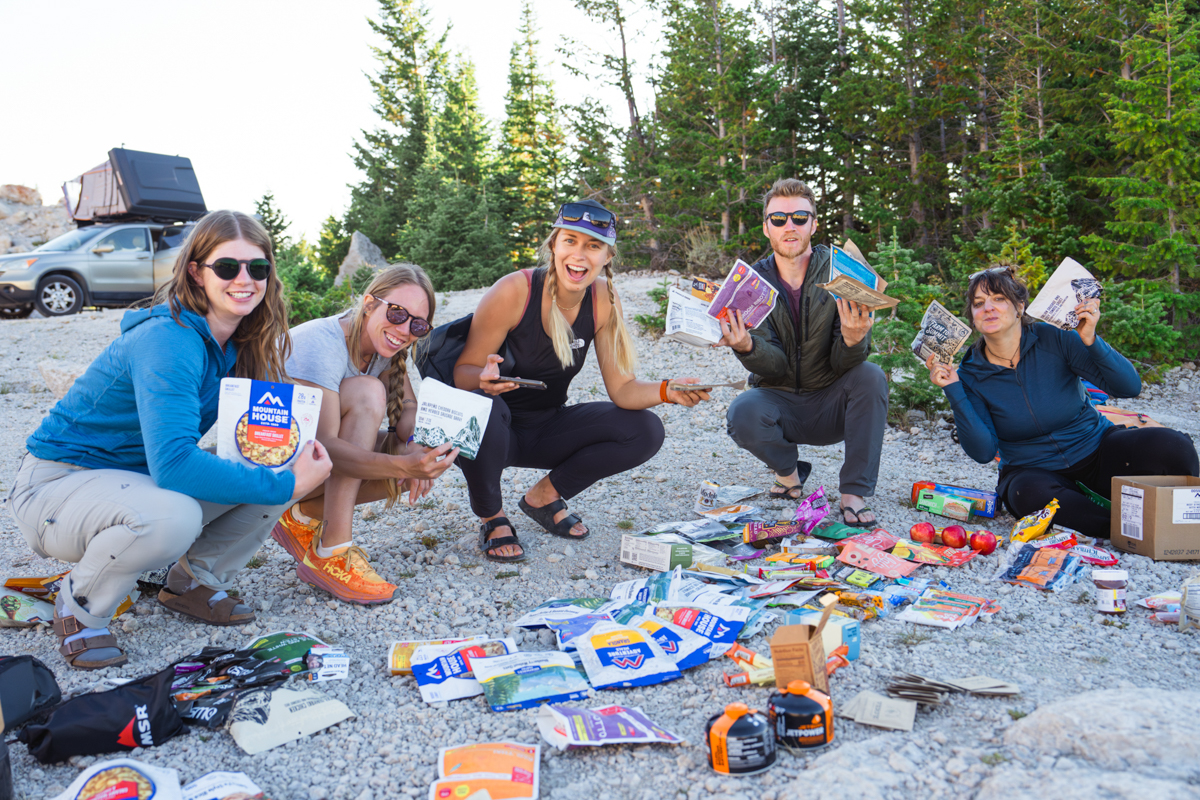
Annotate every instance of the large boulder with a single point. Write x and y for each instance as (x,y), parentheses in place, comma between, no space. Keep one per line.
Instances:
(363,253)
(60,375)
(20,194)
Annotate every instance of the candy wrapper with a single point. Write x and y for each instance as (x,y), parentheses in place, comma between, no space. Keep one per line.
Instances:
(1036,524)
(568,727)
(1069,286)
(617,656)
(812,510)
(524,680)
(762,533)
(1043,568)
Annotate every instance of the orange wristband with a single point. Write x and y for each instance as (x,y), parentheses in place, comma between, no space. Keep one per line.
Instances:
(662,391)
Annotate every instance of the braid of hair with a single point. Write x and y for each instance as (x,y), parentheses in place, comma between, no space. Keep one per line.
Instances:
(623,351)
(560,329)
(395,407)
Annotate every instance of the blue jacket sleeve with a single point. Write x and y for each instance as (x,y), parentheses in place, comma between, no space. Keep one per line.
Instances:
(1099,363)
(976,433)
(166,377)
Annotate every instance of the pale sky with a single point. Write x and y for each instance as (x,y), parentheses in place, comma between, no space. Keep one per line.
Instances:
(259,94)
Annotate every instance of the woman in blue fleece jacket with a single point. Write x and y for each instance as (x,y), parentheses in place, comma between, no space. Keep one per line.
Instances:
(1017,392)
(114,480)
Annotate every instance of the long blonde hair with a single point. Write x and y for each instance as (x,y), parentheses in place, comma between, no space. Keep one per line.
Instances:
(262,336)
(560,331)
(384,282)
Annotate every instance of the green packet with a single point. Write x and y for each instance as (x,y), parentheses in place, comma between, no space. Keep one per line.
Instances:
(835,530)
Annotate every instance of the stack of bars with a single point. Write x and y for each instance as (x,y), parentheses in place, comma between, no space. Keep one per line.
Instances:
(928,691)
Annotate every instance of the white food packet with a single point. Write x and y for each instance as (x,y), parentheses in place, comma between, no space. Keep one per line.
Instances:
(1069,286)
(446,414)
(618,656)
(265,424)
(942,335)
(146,780)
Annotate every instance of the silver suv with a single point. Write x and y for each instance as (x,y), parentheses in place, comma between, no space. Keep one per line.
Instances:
(107,265)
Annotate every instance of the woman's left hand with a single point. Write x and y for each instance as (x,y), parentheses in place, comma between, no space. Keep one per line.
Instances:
(417,488)
(688,399)
(1089,315)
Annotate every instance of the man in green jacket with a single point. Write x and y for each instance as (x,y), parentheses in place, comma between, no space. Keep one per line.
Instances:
(812,383)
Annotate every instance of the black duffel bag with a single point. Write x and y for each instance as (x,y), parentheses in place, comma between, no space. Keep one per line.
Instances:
(436,356)
(27,688)
(141,713)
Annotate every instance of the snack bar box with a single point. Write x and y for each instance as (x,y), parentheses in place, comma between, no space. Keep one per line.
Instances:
(984,502)
(838,630)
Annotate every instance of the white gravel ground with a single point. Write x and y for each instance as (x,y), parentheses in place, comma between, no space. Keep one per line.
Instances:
(1055,647)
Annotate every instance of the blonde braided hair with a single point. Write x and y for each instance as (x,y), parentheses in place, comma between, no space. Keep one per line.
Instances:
(560,331)
(384,282)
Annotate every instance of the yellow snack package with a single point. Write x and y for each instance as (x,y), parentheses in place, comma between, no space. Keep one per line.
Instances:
(1036,524)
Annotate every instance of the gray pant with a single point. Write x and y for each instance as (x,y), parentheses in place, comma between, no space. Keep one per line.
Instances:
(771,422)
(114,525)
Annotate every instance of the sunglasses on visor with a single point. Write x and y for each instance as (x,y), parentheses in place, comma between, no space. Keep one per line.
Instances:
(228,268)
(598,217)
(398,315)
(780,218)
(991,271)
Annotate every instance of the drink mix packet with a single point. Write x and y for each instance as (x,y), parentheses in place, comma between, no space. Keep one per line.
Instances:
(568,727)
(524,680)
(619,656)
(1036,524)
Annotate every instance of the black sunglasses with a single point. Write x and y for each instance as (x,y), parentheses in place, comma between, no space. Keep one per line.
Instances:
(780,218)
(599,217)
(398,315)
(228,268)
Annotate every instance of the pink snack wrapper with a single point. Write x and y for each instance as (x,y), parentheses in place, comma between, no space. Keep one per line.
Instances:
(812,510)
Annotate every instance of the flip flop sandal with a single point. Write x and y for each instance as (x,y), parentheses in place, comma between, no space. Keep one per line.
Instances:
(69,626)
(858,523)
(194,604)
(486,546)
(803,470)
(544,516)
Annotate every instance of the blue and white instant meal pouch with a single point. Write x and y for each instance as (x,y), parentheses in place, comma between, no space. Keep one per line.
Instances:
(524,680)
(566,631)
(262,423)
(684,648)
(618,656)
(444,671)
(561,609)
(719,624)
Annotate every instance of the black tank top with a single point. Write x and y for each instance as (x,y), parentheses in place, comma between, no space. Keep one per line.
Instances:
(533,354)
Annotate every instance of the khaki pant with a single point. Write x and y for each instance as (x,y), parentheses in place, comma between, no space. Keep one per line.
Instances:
(114,525)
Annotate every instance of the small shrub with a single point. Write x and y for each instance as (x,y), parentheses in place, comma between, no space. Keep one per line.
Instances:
(656,324)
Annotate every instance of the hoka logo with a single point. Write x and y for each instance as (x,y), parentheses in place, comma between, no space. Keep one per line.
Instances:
(629,663)
(336,572)
(269,399)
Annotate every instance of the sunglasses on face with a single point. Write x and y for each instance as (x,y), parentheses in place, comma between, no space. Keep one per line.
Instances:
(990,271)
(398,315)
(598,217)
(228,268)
(780,218)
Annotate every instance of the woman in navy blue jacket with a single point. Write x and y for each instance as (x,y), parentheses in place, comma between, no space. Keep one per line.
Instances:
(1018,392)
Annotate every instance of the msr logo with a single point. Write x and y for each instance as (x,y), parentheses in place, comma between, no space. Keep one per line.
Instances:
(269,399)
(140,723)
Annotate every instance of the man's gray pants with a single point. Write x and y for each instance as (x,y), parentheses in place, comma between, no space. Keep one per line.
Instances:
(769,423)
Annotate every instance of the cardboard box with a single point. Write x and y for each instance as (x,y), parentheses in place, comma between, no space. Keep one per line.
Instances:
(838,630)
(1157,516)
(798,652)
(643,551)
(983,500)
(945,505)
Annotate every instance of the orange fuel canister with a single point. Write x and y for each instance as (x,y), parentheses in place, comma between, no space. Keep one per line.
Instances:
(740,741)
(801,717)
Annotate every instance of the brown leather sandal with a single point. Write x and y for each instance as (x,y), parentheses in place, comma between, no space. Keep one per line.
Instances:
(69,626)
(194,604)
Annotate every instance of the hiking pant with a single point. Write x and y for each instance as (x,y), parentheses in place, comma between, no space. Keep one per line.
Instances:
(113,525)
(771,422)
(579,444)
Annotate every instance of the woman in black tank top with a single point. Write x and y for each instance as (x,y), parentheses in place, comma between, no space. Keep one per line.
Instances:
(548,318)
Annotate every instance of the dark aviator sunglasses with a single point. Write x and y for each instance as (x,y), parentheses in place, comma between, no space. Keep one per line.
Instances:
(398,315)
(228,268)
(780,218)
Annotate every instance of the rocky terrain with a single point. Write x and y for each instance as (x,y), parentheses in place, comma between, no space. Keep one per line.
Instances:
(1107,709)
(25,223)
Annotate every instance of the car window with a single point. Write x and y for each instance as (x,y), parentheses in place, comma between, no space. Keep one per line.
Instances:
(174,236)
(127,240)
(71,240)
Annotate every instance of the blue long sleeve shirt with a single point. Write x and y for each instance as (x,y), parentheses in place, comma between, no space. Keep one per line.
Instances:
(143,406)
(1038,414)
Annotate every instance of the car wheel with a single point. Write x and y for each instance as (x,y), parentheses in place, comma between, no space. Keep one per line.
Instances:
(15,312)
(58,296)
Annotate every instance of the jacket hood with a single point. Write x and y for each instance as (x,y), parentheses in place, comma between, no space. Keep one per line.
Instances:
(137,316)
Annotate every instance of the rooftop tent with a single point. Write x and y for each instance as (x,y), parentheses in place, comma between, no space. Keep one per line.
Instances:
(98,195)
(157,185)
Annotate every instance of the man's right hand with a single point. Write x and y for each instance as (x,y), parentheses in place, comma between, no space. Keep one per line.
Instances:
(422,462)
(734,333)
(311,469)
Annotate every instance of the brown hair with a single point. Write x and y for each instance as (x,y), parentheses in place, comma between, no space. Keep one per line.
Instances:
(560,330)
(384,282)
(262,336)
(788,187)
(999,279)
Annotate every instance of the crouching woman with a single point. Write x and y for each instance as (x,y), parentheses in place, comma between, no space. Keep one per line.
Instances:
(115,481)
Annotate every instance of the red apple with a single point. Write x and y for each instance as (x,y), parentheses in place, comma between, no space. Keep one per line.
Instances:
(923,532)
(954,536)
(984,541)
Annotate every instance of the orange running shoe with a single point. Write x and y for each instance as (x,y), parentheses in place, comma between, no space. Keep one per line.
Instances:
(293,535)
(347,575)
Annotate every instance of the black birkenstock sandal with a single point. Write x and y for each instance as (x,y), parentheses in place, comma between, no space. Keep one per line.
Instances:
(486,546)
(544,516)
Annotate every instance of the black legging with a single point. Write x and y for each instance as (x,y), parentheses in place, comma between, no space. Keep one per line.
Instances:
(1122,451)
(579,444)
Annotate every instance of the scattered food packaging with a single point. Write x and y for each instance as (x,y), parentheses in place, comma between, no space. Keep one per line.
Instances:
(525,680)
(45,588)
(688,321)
(719,624)
(944,609)
(706,497)
(123,778)
(618,656)
(945,504)
(265,424)
(1094,555)
(983,502)
(400,653)
(446,414)
(665,551)
(812,510)
(761,533)
(1043,568)
(1068,286)
(683,647)
(1157,516)
(1035,525)
(941,335)
(798,652)
(745,291)
(223,786)
(266,717)
(500,770)
(19,610)
(757,669)
(327,664)
(837,631)
(566,727)
(443,672)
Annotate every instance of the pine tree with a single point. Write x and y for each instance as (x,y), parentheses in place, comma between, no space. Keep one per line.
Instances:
(333,245)
(461,131)
(274,221)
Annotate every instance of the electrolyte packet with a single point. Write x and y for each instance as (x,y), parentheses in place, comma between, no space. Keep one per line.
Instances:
(618,656)
(567,727)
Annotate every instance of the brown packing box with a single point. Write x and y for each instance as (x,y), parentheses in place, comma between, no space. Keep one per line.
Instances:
(798,654)
(1157,516)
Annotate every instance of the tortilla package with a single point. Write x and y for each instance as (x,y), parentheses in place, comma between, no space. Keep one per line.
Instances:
(524,680)
(444,672)
(446,414)
(265,424)
(617,656)
(568,727)
(1069,286)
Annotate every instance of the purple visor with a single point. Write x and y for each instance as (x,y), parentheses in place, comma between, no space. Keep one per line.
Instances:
(588,217)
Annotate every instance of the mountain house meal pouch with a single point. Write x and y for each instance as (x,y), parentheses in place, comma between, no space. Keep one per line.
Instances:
(617,656)
(568,727)
(123,778)
(444,672)
(446,414)
(684,648)
(560,609)
(524,680)
(719,624)
(265,424)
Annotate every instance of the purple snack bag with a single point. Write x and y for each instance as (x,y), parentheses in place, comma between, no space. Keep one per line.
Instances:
(570,726)
(812,510)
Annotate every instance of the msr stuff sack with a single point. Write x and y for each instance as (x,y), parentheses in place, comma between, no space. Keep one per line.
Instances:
(27,688)
(138,714)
